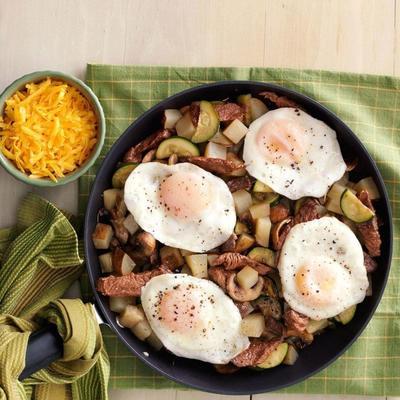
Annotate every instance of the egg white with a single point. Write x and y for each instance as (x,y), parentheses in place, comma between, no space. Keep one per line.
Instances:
(320,166)
(205,232)
(215,335)
(331,247)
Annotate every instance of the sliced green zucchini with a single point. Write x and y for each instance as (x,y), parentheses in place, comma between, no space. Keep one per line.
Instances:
(263,255)
(261,187)
(276,357)
(208,123)
(245,101)
(353,208)
(347,315)
(121,175)
(176,145)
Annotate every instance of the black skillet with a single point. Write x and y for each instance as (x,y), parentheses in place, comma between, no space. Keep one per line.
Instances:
(45,346)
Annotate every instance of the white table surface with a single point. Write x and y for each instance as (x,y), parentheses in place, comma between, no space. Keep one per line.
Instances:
(350,35)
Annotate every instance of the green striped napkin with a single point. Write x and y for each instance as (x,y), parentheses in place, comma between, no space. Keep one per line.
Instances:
(39,261)
(370,105)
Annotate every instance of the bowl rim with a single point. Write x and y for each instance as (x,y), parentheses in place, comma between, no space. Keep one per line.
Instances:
(104,310)
(89,95)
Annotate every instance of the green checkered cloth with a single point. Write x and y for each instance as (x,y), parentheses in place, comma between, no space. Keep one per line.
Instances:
(370,105)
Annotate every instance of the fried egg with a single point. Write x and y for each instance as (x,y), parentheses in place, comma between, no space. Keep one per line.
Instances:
(181,205)
(293,153)
(193,318)
(321,266)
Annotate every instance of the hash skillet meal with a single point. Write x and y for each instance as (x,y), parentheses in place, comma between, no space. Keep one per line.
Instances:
(234,235)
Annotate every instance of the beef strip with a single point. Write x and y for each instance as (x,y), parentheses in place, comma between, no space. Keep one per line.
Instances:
(128,285)
(295,321)
(279,101)
(369,231)
(243,182)
(214,165)
(307,212)
(232,261)
(134,154)
(229,112)
(369,263)
(256,353)
(219,275)
(279,233)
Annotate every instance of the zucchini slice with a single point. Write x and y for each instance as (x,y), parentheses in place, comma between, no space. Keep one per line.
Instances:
(176,145)
(347,315)
(353,208)
(263,255)
(208,123)
(261,187)
(276,357)
(245,101)
(121,175)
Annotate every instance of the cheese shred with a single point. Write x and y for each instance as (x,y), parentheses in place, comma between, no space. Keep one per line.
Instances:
(48,129)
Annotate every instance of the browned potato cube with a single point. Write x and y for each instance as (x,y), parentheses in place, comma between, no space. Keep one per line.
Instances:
(171,257)
(102,236)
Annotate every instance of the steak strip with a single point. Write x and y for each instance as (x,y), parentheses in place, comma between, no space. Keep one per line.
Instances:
(369,263)
(256,353)
(243,182)
(232,261)
(307,212)
(369,231)
(229,112)
(280,101)
(128,285)
(134,154)
(295,321)
(214,165)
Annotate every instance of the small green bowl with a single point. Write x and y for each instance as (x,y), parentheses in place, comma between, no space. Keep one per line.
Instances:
(101,129)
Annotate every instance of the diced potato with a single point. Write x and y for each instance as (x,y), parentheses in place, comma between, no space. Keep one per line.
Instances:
(154,342)
(247,277)
(198,265)
(142,330)
(130,224)
(118,304)
(259,210)
(105,261)
(235,131)
(122,263)
(291,356)
(110,197)
(131,316)
(235,159)
(242,200)
(369,185)
(102,236)
(333,198)
(244,242)
(211,257)
(333,206)
(221,139)
(257,108)
(171,117)
(171,257)
(186,270)
(184,127)
(240,228)
(185,252)
(260,187)
(314,326)
(253,325)
(215,150)
(263,230)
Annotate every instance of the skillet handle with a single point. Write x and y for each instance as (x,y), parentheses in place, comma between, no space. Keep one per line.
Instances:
(44,347)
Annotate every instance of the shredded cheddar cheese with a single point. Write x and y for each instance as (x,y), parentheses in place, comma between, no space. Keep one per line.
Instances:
(48,129)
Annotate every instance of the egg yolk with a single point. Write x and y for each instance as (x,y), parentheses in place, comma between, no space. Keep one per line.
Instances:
(317,284)
(179,310)
(282,142)
(185,195)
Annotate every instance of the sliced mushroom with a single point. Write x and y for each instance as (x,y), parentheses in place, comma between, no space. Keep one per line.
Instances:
(280,231)
(121,262)
(149,156)
(269,307)
(239,294)
(147,242)
(121,233)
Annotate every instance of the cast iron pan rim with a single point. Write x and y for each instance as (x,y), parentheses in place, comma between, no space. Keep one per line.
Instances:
(288,93)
